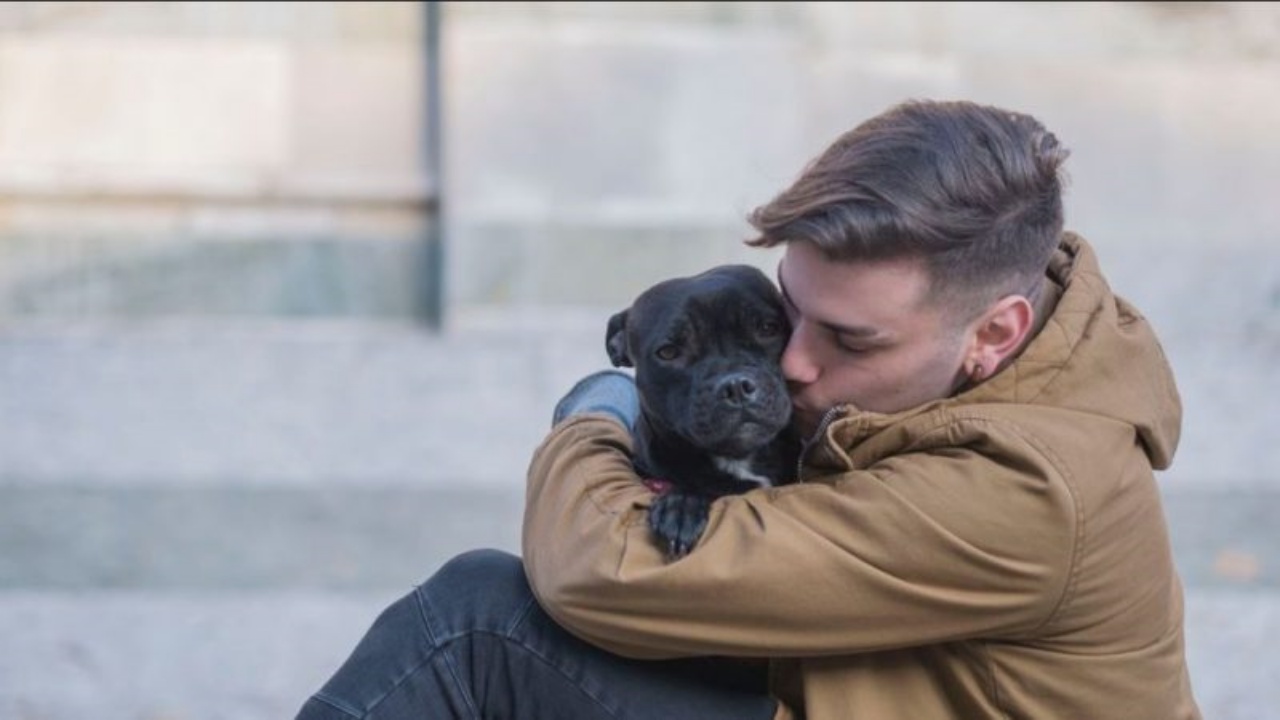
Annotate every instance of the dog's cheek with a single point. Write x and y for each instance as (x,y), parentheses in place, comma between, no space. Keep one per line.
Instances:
(673,394)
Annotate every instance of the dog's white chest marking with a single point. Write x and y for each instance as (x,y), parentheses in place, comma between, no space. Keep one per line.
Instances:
(741,469)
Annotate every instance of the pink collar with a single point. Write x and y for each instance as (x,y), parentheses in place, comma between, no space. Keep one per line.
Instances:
(658,486)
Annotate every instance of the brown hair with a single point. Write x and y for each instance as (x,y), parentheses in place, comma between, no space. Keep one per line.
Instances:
(974,191)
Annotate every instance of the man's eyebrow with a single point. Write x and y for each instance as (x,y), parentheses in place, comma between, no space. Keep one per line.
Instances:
(857,331)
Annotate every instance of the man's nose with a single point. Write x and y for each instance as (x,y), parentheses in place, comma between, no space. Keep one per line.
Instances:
(798,365)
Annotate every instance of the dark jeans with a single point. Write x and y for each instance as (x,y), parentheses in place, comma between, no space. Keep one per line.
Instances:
(471,642)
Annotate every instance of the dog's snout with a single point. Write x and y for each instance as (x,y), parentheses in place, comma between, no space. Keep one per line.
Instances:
(737,389)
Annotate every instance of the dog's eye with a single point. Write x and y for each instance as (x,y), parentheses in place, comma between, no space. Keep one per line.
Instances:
(769,328)
(667,352)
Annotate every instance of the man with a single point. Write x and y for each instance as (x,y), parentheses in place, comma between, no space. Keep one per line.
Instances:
(977,532)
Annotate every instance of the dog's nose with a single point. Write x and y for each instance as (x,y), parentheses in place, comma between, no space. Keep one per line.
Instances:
(737,389)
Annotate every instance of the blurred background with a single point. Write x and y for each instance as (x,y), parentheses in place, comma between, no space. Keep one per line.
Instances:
(288,290)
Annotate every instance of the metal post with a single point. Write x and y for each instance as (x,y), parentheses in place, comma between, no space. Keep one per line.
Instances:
(431,301)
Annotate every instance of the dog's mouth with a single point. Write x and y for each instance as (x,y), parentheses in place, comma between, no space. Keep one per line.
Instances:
(744,441)
(741,432)
(751,434)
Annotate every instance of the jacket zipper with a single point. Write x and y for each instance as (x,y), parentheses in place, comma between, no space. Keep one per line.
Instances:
(813,439)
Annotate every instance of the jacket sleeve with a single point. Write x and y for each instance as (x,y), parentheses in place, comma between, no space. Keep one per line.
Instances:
(922,547)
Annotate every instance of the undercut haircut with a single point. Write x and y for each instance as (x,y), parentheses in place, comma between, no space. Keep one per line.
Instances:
(973,191)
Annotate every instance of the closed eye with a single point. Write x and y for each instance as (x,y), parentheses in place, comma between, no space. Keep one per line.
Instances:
(855,347)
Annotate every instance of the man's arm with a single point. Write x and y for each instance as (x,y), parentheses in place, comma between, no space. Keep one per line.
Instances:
(874,559)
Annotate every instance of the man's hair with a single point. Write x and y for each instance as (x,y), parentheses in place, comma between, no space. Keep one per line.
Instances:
(973,191)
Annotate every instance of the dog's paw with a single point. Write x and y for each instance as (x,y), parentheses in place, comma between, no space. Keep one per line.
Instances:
(678,519)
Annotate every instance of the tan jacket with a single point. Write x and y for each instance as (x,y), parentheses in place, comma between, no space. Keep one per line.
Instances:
(998,554)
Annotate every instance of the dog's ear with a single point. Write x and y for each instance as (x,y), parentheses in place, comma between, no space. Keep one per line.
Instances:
(615,340)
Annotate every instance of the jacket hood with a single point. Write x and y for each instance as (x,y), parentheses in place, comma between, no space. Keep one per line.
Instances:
(1095,354)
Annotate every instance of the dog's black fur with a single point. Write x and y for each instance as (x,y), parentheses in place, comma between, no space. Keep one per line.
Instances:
(714,408)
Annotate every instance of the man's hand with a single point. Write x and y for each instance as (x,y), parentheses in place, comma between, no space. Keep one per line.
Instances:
(606,391)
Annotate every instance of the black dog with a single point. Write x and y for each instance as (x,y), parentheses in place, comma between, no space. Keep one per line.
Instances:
(714,408)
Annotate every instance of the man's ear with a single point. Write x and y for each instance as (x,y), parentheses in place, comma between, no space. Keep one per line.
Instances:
(615,341)
(1000,333)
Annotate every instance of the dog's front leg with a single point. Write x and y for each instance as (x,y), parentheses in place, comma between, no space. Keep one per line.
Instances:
(678,519)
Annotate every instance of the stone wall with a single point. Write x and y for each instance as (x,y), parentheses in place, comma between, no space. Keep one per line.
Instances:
(210,158)
(598,132)
(268,158)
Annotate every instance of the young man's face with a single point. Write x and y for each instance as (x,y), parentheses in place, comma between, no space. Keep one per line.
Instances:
(863,334)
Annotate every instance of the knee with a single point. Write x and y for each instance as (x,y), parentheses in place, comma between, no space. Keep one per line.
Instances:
(481,571)
(479,589)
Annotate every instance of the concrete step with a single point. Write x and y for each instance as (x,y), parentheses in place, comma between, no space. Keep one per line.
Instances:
(306,403)
(234,655)
(329,538)
(235,602)
(257,656)
(327,402)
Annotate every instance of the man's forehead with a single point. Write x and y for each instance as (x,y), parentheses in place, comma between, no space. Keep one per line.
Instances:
(854,297)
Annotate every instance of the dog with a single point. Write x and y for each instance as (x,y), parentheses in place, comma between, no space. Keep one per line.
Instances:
(715,413)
